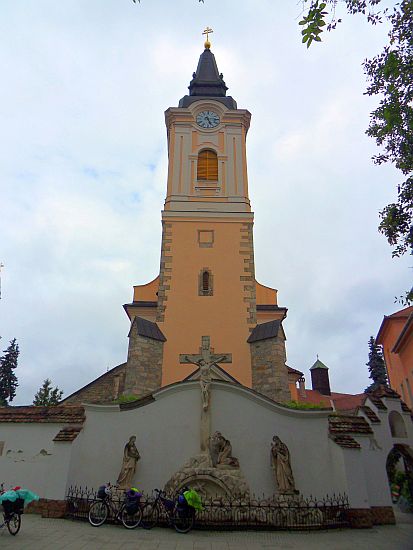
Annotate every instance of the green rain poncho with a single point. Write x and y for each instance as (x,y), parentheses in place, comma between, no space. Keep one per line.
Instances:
(193,499)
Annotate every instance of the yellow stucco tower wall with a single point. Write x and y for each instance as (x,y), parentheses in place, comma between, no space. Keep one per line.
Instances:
(206,285)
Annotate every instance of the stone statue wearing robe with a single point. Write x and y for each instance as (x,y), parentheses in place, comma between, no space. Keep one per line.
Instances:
(130,458)
(281,465)
(221,451)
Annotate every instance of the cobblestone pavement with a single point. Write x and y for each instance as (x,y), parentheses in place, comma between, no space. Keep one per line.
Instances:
(53,534)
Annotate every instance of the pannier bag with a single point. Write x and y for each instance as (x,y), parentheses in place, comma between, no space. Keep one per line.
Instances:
(103,492)
(133,498)
(10,507)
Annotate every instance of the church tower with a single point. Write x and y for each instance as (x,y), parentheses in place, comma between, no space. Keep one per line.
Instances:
(206,285)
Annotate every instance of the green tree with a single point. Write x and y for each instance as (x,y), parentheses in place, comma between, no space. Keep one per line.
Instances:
(8,379)
(376,365)
(390,76)
(47,396)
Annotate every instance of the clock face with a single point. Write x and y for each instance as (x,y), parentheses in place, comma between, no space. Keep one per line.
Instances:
(207,119)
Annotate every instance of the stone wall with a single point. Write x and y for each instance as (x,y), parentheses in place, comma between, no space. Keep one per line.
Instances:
(362,518)
(269,371)
(48,508)
(165,270)
(248,279)
(144,366)
(104,389)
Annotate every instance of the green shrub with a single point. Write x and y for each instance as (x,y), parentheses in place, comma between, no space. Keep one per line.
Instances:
(304,406)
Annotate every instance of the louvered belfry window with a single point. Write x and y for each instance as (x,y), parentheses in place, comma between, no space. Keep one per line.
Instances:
(207,165)
(205,281)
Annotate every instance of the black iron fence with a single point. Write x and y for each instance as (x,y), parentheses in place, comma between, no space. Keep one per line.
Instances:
(291,513)
(288,512)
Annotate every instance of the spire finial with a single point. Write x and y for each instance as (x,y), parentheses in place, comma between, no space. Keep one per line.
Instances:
(207,43)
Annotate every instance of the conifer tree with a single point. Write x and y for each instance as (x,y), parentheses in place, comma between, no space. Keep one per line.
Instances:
(376,365)
(8,380)
(47,396)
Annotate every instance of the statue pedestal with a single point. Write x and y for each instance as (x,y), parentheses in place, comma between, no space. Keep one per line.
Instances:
(210,482)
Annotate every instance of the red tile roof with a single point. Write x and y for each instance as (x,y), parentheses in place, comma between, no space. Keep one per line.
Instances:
(371,415)
(346,441)
(346,424)
(315,398)
(69,433)
(59,414)
(347,402)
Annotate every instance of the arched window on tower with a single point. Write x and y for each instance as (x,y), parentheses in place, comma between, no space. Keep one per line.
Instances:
(205,286)
(207,165)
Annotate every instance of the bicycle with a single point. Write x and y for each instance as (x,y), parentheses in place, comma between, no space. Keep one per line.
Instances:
(178,514)
(104,506)
(11,514)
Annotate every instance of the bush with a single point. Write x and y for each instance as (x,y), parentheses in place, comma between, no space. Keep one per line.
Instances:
(304,406)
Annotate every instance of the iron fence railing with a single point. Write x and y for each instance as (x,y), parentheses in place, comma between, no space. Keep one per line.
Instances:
(289,513)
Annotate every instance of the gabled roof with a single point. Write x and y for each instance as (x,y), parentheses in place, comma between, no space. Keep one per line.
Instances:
(401,314)
(119,368)
(217,373)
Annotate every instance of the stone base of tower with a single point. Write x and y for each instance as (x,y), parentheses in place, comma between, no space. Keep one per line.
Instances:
(143,373)
(269,371)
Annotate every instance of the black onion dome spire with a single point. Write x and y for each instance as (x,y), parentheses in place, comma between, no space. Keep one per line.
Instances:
(207,83)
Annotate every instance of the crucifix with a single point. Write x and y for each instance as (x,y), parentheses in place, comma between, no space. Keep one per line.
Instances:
(207,31)
(205,360)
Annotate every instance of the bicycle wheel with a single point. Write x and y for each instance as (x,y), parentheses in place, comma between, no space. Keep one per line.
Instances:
(13,525)
(150,515)
(130,521)
(183,521)
(98,513)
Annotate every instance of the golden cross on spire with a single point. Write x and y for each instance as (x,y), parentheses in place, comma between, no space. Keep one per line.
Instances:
(207,42)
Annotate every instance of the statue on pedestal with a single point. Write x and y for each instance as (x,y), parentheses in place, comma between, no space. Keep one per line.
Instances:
(281,465)
(130,458)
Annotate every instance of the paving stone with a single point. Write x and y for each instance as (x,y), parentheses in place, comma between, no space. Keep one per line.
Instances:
(55,534)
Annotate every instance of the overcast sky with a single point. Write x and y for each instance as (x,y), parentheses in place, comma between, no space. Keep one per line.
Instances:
(85,84)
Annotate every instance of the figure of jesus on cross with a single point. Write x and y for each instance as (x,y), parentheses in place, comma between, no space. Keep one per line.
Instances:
(205,361)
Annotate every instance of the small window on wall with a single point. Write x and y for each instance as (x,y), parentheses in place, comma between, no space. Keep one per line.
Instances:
(207,165)
(205,287)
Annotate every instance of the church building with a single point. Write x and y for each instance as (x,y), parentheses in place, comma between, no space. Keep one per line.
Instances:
(206,284)
(205,393)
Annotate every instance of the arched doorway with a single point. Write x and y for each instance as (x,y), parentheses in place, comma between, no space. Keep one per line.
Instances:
(399,466)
